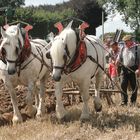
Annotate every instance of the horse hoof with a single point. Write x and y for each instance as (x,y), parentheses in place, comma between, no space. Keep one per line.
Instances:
(38,116)
(61,115)
(17,120)
(85,118)
(97,105)
(31,112)
(63,120)
(98,108)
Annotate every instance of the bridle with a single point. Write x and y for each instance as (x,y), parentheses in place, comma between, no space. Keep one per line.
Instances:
(65,58)
(22,55)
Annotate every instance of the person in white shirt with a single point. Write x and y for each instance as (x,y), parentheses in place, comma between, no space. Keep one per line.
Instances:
(129,57)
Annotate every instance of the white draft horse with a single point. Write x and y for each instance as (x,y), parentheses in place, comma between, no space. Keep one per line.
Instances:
(22,62)
(62,53)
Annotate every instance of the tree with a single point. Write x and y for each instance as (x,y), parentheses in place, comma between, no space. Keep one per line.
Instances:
(8,8)
(42,20)
(130,9)
(12,3)
(44,17)
(89,11)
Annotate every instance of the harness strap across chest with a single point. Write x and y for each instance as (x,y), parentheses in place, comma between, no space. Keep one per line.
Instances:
(78,59)
(93,59)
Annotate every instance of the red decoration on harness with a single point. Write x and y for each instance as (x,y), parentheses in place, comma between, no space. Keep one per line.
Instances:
(84,25)
(80,58)
(28,27)
(27,42)
(59,26)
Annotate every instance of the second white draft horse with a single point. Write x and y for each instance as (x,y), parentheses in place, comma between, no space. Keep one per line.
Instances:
(63,51)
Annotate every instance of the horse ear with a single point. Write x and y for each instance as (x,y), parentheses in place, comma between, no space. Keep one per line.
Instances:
(18,29)
(18,25)
(17,32)
(69,25)
(3,33)
(48,54)
(50,36)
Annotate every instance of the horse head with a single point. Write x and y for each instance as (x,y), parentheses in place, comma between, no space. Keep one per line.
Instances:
(11,46)
(62,50)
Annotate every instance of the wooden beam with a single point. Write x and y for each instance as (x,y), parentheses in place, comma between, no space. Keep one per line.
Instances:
(76,91)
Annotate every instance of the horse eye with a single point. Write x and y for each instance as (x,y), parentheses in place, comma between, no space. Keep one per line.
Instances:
(65,57)
(16,50)
(3,52)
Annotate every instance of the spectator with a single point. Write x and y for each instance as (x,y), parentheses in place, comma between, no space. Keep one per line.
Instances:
(107,42)
(113,51)
(129,57)
(112,55)
(112,70)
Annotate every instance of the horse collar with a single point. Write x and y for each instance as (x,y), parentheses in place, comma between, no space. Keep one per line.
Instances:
(78,59)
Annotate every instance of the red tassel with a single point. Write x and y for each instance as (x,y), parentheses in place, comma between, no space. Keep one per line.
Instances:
(28,27)
(84,25)
(59,26)
(27,42)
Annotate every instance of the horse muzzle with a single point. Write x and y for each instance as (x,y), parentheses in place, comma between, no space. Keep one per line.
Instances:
(11,71)
(56,77)
(11,67)
(57,71)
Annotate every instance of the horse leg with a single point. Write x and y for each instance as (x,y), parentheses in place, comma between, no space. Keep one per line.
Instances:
(60,110)
(36,97)
(97,100)
(41,107)
(17,118)
(84,91)
(31,110)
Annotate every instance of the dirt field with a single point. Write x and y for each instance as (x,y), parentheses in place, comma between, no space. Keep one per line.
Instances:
(113,123)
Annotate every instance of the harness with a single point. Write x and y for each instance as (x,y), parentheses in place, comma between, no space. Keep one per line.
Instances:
(93,59)
(79,58)
(25,54)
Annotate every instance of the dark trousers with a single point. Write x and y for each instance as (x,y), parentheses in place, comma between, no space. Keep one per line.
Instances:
(129,77)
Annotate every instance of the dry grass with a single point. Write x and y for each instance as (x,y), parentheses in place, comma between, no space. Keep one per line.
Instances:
(114,123)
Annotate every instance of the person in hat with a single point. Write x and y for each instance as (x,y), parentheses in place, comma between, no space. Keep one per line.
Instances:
(107,47)
(107,42)
(112,56)
(129,57)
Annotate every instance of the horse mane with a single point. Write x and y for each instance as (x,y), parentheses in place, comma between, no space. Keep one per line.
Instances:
(67,32)
(13,30)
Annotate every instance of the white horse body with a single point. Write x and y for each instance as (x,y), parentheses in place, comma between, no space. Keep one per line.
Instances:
(82,75)
(32,71)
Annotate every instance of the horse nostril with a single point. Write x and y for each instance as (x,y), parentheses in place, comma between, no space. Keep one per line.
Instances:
(56,78)
(11,72)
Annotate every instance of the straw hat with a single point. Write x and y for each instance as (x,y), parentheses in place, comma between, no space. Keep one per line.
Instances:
(127,37)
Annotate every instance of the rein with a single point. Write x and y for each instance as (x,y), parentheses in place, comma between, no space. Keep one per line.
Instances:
(24,54)
(36,56)
(96,57)
(115,83)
